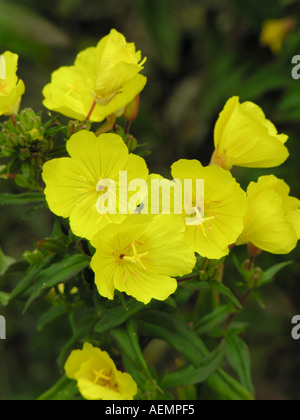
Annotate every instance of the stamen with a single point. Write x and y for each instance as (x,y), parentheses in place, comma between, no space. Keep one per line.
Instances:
(136,258)
(101,376)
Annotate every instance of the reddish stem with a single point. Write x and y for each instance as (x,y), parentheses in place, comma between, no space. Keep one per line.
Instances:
(91,110)
(12,117)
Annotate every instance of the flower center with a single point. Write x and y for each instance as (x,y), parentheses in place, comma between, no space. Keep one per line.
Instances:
(135,258)
(101,378)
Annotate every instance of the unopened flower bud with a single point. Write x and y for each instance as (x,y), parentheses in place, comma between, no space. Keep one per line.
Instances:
(132,109)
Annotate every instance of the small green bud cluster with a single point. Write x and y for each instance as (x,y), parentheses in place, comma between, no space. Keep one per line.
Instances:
(23,136)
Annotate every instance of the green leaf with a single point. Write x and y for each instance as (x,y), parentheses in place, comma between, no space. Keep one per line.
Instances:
(238,356)
(53,313)
(190,375)
(167,327)
(269,275)
(225,291)
(213,319)
(133,335)
(256,294)
(115,317)
(58,273)
(30,277)
(64,390)
(128,350)
(5,262)
(21,199)
(172,329)
(4,298)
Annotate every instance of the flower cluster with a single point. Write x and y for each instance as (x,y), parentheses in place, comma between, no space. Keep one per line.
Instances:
(142,254)
(143,246)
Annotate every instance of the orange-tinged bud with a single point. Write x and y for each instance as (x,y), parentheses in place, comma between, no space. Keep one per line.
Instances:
(132,109)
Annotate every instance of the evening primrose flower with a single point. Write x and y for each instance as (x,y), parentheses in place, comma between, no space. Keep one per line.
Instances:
(272,220)
(75,186)
(11,88)
(141,257)
(244,137)
(274,32)
(103,80)
(224,208)
(97,376)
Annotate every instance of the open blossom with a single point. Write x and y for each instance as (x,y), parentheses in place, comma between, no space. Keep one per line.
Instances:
(224,208)
(274,32)
(103,80)
(97,376)
(141,257)
(244,137)
(272,220)
(75,186)
(11,87)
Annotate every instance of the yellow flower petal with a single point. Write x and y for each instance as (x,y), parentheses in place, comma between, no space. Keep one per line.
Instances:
(244,137)
(141,257)
(11,88)
(272,219)
(72,183)
(97,376)
(274,32)
(107,74)
(224,209)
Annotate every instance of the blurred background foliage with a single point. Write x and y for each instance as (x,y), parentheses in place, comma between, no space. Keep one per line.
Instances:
(200,53)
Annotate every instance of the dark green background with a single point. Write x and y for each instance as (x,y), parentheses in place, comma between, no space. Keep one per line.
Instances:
(200,53)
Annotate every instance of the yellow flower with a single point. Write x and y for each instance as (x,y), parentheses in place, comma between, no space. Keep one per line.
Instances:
(141,257)
(244,137)
(75,185)
(11,88)
(224,209)
(274,32)
(272,221)
(97,376)
(103,80)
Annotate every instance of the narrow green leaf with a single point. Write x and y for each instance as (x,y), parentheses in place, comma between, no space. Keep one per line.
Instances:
(21,199)
(115,317)
(167,327)
(170,328)
(238,356)
(213,319)
(257,295)
(190,375)
(4,298)
(5,262)
(269,275)
(56,274)
(30,277)
(126,346)
(225,291)
(64,390)
(227,388)
(133,335)
(53,313)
